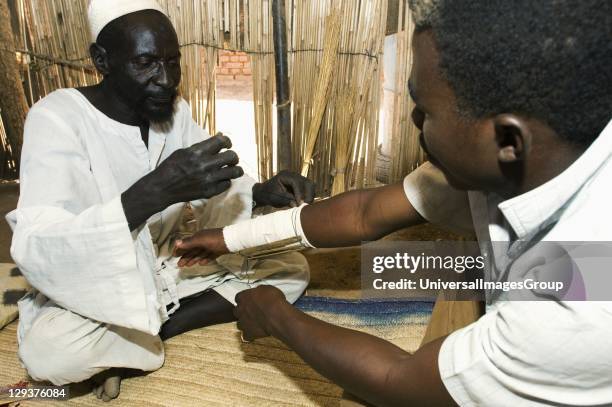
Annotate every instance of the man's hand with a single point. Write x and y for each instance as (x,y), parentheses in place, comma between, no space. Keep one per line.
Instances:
(371,368)
(254,310)
(201,248)
(198,172)
(284,189)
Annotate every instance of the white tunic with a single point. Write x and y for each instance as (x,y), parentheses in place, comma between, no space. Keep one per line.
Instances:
(523,352)
(71,238)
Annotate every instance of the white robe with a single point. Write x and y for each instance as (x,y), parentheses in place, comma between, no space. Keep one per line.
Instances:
(72,242)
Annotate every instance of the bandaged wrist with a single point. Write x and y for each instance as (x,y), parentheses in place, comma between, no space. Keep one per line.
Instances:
(265,229)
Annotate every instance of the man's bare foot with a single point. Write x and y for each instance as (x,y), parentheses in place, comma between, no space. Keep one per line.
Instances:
(106,385)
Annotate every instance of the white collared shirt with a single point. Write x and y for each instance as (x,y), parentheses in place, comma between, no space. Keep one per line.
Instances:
(524,353)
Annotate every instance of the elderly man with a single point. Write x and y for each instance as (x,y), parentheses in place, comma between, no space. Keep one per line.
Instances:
(106,171)
(513,100)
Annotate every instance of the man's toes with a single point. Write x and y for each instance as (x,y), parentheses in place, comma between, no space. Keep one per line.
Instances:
(97,390)
(112,386)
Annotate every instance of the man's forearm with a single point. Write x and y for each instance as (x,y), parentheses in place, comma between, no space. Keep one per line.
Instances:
(344,220)
(353,217)
(366,366)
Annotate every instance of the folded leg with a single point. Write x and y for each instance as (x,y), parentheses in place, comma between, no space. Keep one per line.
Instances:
(63,347)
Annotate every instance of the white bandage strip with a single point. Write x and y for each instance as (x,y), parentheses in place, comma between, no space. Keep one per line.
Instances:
(265,229)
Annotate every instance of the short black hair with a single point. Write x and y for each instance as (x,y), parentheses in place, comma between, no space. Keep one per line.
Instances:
(546,59)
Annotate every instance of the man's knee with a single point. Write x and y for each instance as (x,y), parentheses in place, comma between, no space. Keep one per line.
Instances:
(63,347)
(45,361)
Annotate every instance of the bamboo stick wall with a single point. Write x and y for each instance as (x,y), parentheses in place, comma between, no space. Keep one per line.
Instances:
(336,95)
(346,94)
(258,42)
(405,136)
(53,31)
(200,32)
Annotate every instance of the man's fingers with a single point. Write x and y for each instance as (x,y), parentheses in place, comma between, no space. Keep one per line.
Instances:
(195,260)
(226,158)
(309,191)
(187,245)
(183,260)
(282,198)
(214,144)
(296,186)
(243,326)
(189,255)
(183,245)
(192,261)
(222,186)
(227,173)
(250,332)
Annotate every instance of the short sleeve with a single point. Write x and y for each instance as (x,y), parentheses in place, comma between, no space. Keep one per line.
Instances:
(435,200)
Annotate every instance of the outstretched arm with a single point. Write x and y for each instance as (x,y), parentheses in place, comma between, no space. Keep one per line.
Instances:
(369,367)
(353,217)
(344,220)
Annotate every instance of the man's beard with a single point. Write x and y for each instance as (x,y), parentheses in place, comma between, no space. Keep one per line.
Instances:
(155,113)
(159,114)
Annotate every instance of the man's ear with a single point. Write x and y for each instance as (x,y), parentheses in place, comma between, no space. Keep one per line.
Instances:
(100,58)
(513,138)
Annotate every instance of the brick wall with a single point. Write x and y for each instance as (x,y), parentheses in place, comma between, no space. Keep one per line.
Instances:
(233,65)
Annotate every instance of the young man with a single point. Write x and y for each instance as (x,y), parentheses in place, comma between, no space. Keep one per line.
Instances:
(513,99)
(106,171)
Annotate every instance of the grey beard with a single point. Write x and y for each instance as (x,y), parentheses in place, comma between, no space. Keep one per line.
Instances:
(161,119)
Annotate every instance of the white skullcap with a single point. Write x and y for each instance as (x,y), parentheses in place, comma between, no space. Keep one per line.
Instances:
(102,12)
